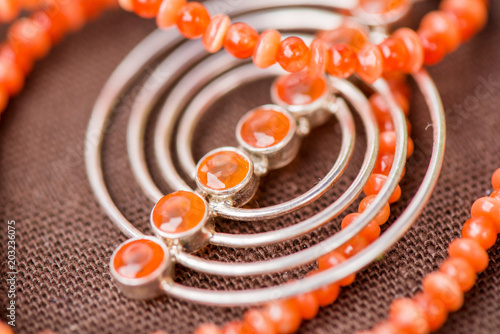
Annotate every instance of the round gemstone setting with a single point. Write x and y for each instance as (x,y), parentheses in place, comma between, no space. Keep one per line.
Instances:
(264,127)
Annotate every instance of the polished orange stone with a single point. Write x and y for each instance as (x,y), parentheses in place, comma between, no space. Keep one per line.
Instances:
(284,315)
(353,246)
(266,48)
(387,143)
(168,12)
(146,8)
(384,164)
(213,38)
(257,322)
(382,217)
(434,310)
(414,47)
(371,232)
(444,27)
(386,327)
(126,5)
(263,128)
(370,63)
(9,10)
(471,251)
(318,59)
(333,259)
(208,329)
(434,50)
(325,295)
(223,170)
(461,271)
(406,315)
(307,305)
(23,61)
(348,33)
(299,88)
(52,21)
(11,77)
(74,14)
(482,230)
(444,288)
(395,54)
(27,37)
(241,40)
(342,60)
(470,15)
(487,207)
(293,54)
(138,258)
(193,20)
(375,184)
(178,212)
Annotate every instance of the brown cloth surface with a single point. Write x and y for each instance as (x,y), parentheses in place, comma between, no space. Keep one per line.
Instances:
(64,239)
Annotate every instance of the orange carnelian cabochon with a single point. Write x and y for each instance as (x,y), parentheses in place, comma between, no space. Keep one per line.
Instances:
(138,258)
(264,128)
(299,89)
(223,170)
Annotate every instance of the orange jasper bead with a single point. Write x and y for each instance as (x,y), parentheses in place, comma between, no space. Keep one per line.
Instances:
(240,40)
(482,230)
(444,27)
(319,56)
(331,260)
(179,212)
(266,48)
(471,251)
(213,38)
(405,314)
(461,271)
(138,258)
(263,128)
(257,322)
(371,232)
(495,180)
(395,54)
(414,48)
(299,88)
(223,170)
(293,54)
(11,77)
(375,184)
(193,20)
(445,289)
(471,15)
(25,36)
(342,61)
(307,305)
(489,208)
(370,62)
(382,217)
(146,8)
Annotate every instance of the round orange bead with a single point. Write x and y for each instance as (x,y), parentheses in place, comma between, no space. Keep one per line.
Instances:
(318,59)
(74,14)
(406,315)
(434,49)
(9,10)
(25,36)
(370,63)
(482,230)
(434,310)
(126,5)
(257,322)
(371,232)
(496,195)
(353,246)
(138,258)
(11,77)
(53,22)
(299,88)
(4,99)
(495,180)
(293,54)
(208,329)
(461,271)
(234,327)
(382,6)
(414,48)
(213,38)
(241,40)
(471,251)
(5,329)
(443,26)
(266,48)
(193,20)
(471,15)
(307,305)
(146,8)
(342,61)
(386,328)
(382,217)
(22,60)
(384,164)
(394,53)
(223,170)
(349,33)
(444,288)
(328,294)
(284,315)
(263,128)
(387,143)
(331,260)
(489,208)
(168,12)
(375,184)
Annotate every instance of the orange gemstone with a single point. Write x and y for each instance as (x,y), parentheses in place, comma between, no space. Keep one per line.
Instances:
(326,295)
(388,143)
(146,8)
(414,48)
(299,88)
(342,60)
(318,60)
(138,258)
(349,33)
(382,6)
(257,322)
(395,54)
(266,48)
(471,251)
(263,128)
(293,54)
(384,163)
(241,40)
(331,260)
(223,170)
(471,15)
(307,305)
(444,288)
(74,14)
(193,20)
(382,217)
(353,246)
(443,26)
(178,212)
(496,195)
(371,232)
(434,50)
(405,314)
(284,315)
(213,38)
(53,22)
(25,36)
(371,63)
(375,184)
(233,327)
(386,327)
(489,208)
(461,271)
(434,310)
(23,61)
(11,77)
(482,230)
(9,10)
(168,12)
(495,180)
(126,5)
(208,329)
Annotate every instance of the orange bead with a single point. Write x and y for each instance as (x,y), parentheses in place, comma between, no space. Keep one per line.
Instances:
(11,77)
(443,26)
(263,128)
(213,38)
(353,246)
(349,33)
(168,12)
(74,14)
(375,184)
(223,170)
(495,180)
(53,22)
(25,36)
(384,164)
(471,15)
(342,61)
(386,328)
(127,5)
(146,8)
(234,327)
(293,54)
(482,230)
(326,295)
(284,315)
(434,49)
(414,48)
(257,322)
(5,329)
(318,59)
(208,329)
(266,48)
(138,258)
(496,195)
(4,99)
(307,305)
(193,20)
(434,310)
(371,63)
(331,260)
(382,217)
(371,232)
(402,101)
(299,88)
(382,6)
(22,60)
(241,40)
(9,10)
(461,271)
(387,142)
(489,208)
(394,53)
(471,251)
(93,8)
(444,288)
(406,315)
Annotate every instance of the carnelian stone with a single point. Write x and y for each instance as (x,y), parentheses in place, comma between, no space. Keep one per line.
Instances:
(444,288)
(168,12)
(434,49)
(53,22)
(342,60)
(349,33)
(284,315)
(307,305)
(178,212)
(434,310)
(461,271)
(414,48)
(138,258)
(489,208)
(257,322)
(326,295)
(371,232)
(293,54)
(405,314)
(241,40)
(331,260)
(25,36)
(266,48)
(471,251)
(375,184)
(223,170)
(386,328)
(471,15)
(318,59)
(371,63)
(74,14)
(146,8)
(213,38)
(193,20)
(384,163)
(382,217)
(299,88)
(482,230)
(208,329)
(495,180)
(4,99)
(264,128)
(444,27)
(22,60)
(5,329)
(9,10)
(353,246)
(395,54)
(126,5)
(387,142)
(11,77)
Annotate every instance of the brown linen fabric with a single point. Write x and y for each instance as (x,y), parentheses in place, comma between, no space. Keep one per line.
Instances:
(64,239)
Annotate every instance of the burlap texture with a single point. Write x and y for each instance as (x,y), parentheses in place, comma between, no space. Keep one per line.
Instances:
(64,239)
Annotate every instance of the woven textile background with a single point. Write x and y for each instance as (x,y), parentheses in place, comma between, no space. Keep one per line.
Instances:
(65,239)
